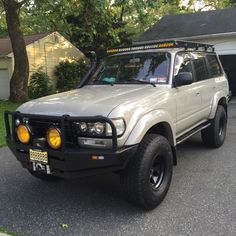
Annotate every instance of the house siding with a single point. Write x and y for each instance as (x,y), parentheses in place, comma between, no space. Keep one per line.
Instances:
(48,52)
(6,63)
(223,45)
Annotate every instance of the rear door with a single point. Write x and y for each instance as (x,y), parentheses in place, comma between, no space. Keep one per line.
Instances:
(206,69)
(188,97)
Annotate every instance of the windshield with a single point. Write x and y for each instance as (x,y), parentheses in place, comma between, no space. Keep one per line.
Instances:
(144,68)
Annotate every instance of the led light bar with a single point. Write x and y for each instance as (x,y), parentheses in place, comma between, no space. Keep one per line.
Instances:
(163,44)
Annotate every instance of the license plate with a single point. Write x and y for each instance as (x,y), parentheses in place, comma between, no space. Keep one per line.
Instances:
(38,156)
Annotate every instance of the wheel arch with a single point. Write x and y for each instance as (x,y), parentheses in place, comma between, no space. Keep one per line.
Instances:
(164,129)
(219,99)
(155,122)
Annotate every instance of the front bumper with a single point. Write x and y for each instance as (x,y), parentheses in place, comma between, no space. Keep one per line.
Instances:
(70,162)
(73,163)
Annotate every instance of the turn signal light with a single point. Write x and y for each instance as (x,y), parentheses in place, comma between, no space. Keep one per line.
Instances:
(23,133)
(54,138)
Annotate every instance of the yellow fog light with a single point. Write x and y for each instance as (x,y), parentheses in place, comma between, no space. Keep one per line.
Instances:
(54,138)
(23,133)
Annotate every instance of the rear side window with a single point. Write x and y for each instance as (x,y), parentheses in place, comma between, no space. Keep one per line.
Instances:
(200,68)
(214,66)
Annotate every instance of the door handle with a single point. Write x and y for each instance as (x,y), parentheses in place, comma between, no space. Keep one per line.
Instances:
(197,93)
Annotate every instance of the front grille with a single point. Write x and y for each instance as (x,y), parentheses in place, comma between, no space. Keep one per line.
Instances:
(41,123)
(40,128)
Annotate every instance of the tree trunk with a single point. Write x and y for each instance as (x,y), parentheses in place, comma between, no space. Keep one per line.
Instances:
(19,80)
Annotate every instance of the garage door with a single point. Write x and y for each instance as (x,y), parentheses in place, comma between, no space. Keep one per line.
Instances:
(4,84)
(229,64)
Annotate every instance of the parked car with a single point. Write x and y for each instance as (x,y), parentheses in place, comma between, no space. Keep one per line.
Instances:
(127,116)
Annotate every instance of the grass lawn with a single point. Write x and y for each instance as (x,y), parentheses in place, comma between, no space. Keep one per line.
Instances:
(5,106)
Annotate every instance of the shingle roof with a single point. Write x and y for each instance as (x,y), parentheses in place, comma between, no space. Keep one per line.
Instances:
(5,43)
(192,24)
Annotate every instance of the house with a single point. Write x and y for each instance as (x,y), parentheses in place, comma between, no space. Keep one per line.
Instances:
(44,50)
(214,27)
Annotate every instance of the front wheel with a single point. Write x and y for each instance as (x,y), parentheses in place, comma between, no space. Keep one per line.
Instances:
(147,177)
(214,135)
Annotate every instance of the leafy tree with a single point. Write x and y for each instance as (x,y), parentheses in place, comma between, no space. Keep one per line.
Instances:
(69,74)
(19,80)
(48,15)
(102,24)
(97,26)
(203,5)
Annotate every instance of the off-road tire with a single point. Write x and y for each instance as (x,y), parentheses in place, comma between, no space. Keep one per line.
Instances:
(214,135)
(136,178)
(44,177)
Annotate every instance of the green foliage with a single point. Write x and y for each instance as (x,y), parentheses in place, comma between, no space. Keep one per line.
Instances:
(9,106)
(98,25)
(69,74)
(203,5)
(39,85)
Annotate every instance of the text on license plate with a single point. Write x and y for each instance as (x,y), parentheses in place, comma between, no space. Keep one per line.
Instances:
(38,156)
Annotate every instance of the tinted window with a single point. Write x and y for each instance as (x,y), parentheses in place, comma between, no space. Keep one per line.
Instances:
(200,68)
(214,66)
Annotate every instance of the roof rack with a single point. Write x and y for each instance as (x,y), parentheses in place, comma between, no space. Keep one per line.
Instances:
(163,44)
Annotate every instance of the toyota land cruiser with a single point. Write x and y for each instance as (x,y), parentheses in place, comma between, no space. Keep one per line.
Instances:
(127,115)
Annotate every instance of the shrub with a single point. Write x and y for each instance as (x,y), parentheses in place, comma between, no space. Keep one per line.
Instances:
(69,74)
(39,85)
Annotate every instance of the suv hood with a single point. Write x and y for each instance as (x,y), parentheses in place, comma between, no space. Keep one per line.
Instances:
(89,101)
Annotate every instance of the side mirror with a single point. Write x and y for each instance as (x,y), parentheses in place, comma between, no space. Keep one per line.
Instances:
(183,78)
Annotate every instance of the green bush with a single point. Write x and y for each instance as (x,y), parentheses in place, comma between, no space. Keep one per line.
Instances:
(39,85)
(69,74)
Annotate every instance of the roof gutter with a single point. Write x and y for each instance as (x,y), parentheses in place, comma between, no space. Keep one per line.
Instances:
(219,35)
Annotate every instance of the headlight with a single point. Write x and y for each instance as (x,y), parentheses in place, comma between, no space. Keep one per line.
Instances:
(83,127)
(23,133)
(54,138)
(99,127)
(120,127)
(17,122)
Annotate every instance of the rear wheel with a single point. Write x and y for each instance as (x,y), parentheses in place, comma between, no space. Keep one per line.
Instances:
(147,177)
(214,135)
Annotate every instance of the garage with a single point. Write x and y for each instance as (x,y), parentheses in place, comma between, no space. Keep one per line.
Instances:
(229,64)
(4,84)
(216,27)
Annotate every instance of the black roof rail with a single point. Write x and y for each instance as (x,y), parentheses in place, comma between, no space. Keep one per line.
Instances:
(163,44)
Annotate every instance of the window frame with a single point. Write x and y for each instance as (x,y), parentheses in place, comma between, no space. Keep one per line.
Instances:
(191,62)
(204,54)
(131,53)
(219,64)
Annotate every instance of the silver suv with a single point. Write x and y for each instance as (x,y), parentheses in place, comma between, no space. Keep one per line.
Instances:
(127,116)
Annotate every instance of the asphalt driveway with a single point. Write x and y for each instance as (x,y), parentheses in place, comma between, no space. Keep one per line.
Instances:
(201,200)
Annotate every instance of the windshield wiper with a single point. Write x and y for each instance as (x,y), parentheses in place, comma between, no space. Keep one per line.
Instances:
(141,82)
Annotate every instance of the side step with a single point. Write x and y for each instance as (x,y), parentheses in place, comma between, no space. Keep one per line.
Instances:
(192,132)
